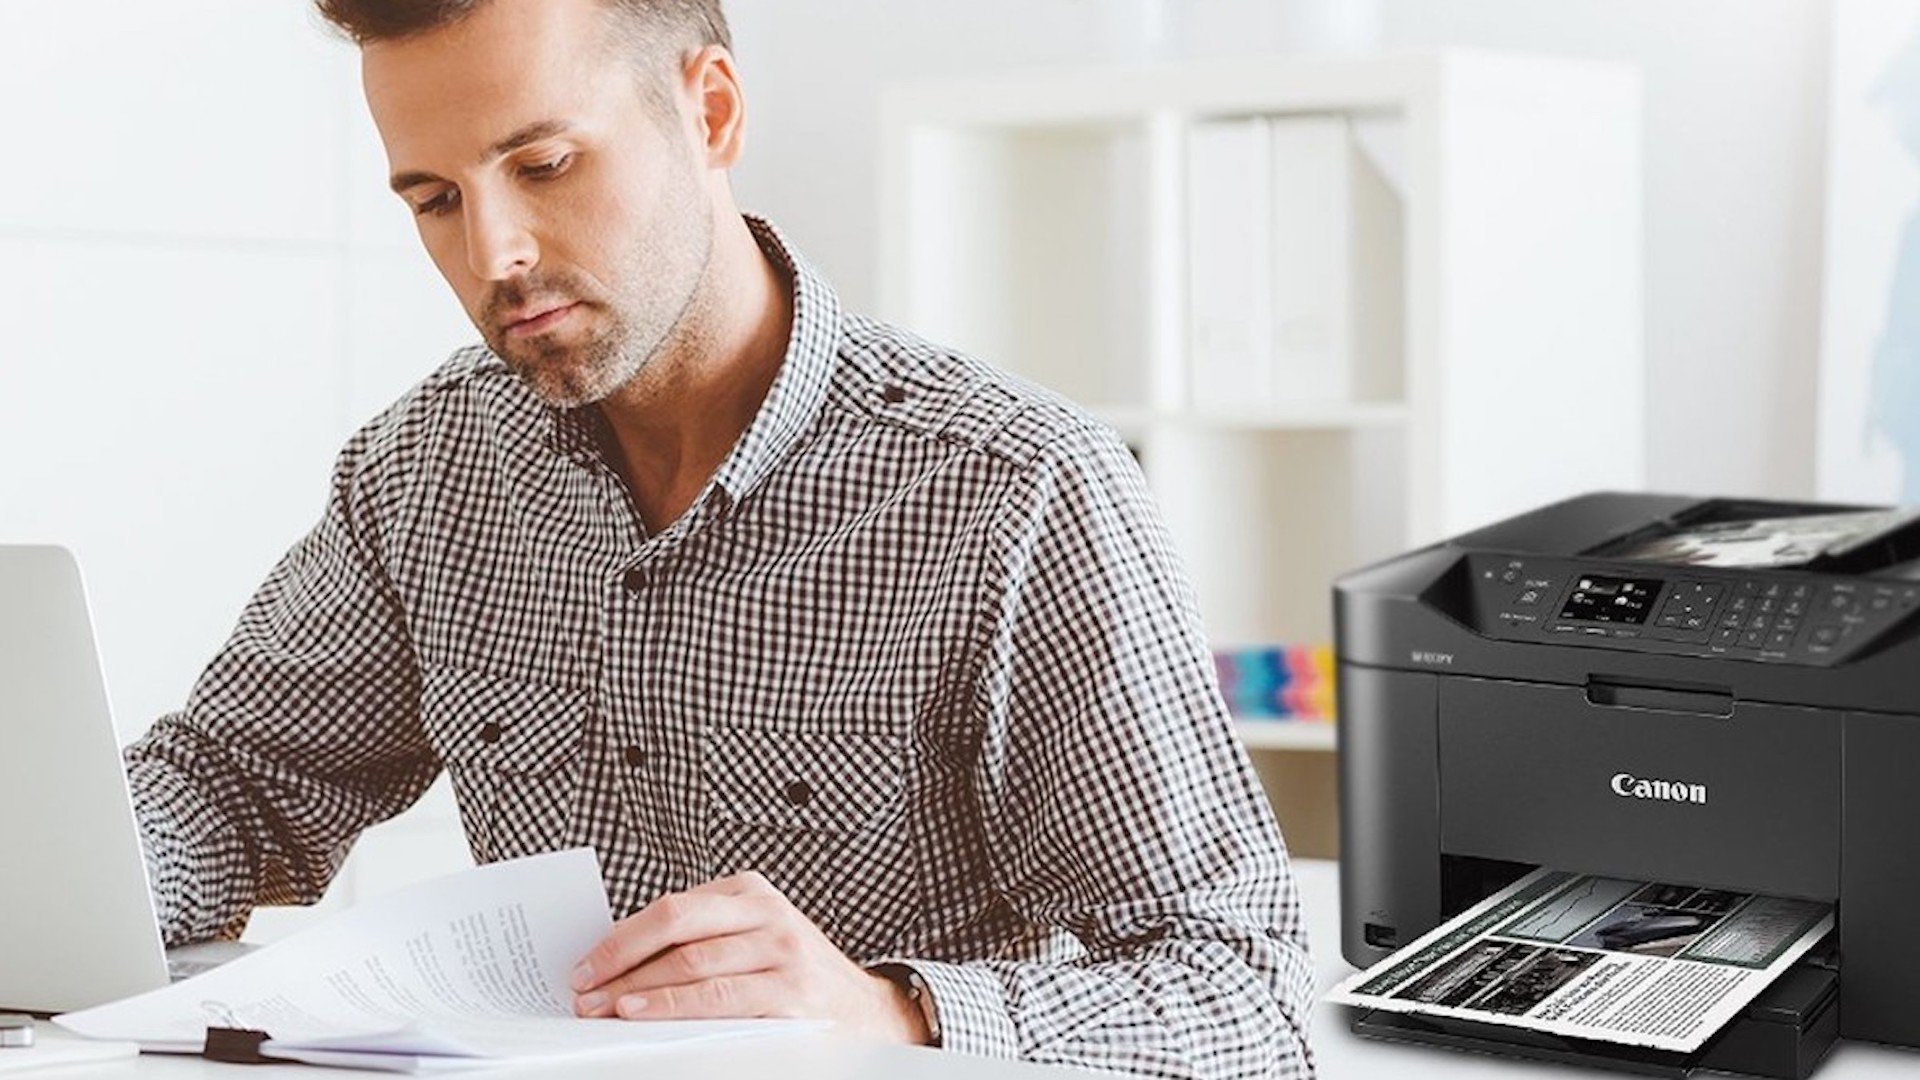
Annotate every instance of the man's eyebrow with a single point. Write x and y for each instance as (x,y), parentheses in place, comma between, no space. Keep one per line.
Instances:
(532,133)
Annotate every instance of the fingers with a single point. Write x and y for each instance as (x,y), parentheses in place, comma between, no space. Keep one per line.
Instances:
(762,993)
(730,949)
(765,949)
(684,965)
(717,909)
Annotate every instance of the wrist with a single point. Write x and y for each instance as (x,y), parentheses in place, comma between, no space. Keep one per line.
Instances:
(907,1010)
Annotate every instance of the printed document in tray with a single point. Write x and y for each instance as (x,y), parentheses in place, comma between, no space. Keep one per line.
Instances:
(468,970)
(1633,962)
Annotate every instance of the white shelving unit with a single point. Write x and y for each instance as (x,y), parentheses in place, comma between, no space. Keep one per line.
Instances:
(1285,734)
(1039,221)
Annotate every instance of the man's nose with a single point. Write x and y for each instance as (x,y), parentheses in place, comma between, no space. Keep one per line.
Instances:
(499,245)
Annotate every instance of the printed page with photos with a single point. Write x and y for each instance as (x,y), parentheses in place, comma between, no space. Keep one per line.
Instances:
(1634,962)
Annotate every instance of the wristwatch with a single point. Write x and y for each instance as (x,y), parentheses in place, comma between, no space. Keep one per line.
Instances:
(909,980)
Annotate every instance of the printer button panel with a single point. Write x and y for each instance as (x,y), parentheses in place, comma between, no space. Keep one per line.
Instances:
(1849,611)
(1732,614)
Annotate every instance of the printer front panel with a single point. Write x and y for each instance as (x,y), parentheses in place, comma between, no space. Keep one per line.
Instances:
(1603,779)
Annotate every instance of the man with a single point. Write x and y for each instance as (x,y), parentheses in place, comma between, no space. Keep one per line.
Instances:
(868,671)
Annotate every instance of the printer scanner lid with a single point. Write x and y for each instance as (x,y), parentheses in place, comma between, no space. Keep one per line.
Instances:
(1750,534)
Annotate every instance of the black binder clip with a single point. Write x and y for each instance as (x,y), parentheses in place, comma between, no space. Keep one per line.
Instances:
(237,1046)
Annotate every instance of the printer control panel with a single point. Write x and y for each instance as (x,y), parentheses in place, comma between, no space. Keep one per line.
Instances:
(1772,616)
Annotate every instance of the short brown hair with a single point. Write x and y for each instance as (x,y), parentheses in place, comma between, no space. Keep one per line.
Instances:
(696,22)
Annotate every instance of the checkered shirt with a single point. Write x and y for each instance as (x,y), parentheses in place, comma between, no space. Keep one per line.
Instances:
(921,653)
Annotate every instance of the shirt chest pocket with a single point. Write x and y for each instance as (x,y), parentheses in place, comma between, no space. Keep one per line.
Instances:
(823,817)
(513,750)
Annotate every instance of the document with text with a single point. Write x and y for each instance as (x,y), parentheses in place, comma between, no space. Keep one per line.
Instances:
(1635,962)
(464,971)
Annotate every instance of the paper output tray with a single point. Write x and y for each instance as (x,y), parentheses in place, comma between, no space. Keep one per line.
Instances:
(1784,1033)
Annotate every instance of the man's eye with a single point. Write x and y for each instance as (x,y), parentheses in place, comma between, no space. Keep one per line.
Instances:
(548,169)
(436,206)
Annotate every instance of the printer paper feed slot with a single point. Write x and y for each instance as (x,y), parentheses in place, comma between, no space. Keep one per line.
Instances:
(1643,964)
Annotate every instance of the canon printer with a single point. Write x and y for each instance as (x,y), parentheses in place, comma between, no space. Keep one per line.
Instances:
(1646,687)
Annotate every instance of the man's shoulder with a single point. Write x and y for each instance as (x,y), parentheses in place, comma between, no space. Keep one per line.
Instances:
(911,384)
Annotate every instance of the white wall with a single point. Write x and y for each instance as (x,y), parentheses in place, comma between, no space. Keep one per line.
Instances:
(203,290)
(204,287)
(1735,133)
(1734,144)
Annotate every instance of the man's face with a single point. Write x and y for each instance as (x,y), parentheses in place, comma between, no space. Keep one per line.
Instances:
(572,219)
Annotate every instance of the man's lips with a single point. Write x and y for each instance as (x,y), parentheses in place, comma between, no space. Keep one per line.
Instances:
(537,322)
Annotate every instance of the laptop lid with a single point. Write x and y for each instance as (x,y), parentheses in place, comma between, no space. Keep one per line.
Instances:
(77,925)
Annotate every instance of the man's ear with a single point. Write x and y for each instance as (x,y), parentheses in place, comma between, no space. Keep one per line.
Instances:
(720,105)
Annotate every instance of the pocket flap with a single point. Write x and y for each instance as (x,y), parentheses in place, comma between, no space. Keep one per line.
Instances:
(491,721)
(826,783)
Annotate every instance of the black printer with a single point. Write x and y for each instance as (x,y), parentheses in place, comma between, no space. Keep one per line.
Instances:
(1711,692)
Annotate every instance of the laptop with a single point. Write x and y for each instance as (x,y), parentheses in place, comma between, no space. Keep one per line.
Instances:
(77,922)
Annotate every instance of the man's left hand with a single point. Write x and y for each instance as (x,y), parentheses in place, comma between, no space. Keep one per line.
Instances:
(736,948)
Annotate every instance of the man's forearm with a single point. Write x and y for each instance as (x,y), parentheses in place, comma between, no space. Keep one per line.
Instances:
(198,870)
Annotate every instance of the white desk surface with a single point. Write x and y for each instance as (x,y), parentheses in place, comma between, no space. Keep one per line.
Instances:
(808,1057)
(1342,1055)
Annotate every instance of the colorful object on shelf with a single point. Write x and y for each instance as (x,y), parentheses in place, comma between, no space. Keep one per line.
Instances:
(1277,682)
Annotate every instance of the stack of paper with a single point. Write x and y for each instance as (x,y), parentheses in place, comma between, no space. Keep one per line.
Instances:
(464,971)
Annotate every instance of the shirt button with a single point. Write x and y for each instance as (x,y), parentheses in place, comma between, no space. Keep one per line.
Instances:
(635,756)
(799,793)
(895,394)
(636,580)
(489,732)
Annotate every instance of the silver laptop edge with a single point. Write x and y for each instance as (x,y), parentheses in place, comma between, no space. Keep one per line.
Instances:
(77,925)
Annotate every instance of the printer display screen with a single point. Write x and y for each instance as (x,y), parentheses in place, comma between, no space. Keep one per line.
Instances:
(1611,599)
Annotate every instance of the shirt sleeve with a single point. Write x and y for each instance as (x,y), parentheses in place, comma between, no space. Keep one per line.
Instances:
(1120,806)
(303,731)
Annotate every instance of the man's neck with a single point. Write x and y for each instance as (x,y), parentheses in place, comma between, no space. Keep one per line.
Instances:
(676,422)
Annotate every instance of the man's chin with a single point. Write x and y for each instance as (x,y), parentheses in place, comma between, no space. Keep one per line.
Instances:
(556,381)
(567,378)
(565,390)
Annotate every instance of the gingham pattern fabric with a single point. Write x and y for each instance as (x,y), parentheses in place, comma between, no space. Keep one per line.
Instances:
(921,653)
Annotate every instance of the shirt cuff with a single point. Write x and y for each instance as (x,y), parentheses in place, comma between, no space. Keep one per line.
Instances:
(970,1007)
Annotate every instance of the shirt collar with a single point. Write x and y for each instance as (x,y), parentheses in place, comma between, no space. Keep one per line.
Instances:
(798,390)
(791,402)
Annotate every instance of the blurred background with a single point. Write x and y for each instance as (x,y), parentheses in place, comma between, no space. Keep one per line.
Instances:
(1349,276)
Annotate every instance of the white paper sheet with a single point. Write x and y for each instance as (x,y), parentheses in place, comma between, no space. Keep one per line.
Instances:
(470,966)
(461,1045)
